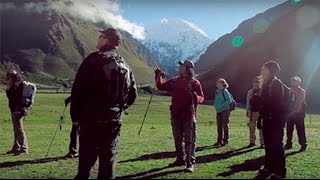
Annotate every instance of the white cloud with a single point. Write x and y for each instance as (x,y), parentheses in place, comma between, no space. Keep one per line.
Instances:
(7,6)
(95,10)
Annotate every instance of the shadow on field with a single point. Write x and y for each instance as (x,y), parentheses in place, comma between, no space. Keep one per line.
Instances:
(202,159)
(161,155)
(34,161)
(250,165)
(225,155)
(143,173)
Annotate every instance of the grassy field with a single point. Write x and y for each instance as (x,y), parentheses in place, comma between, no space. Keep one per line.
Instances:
(147,155)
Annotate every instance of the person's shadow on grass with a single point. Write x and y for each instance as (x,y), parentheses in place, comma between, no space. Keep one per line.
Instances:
(168,154)
(250,165)
(154,173)
(33,161)
(148,174)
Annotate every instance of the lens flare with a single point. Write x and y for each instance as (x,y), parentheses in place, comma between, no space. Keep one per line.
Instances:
(260,26)
(237,41)
(311,62)
(296,1)
(308,17)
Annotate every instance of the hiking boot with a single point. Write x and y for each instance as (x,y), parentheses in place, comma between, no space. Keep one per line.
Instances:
(224,143)
(72,155)
(251,145)
(217,144)
(17,153)
(264,171)
(275,176)
(288,146)
(12,151)
(178,163)
(189,169)
(303,148)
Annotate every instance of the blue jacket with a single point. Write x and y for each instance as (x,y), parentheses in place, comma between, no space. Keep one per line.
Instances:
(222,103)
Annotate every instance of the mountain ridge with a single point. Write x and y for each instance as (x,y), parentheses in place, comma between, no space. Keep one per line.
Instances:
(53,44)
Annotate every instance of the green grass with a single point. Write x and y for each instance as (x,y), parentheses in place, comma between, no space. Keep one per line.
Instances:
(147,155)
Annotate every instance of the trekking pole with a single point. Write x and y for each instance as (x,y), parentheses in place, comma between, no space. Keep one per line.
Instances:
(59,126)
(310,118)
(145,115)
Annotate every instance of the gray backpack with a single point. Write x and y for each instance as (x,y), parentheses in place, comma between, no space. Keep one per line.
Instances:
(28,93)
(117,74)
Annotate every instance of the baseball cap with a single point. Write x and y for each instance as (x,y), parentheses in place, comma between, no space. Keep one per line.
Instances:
(296,79)
(113,35)
(187,63)
(273,67)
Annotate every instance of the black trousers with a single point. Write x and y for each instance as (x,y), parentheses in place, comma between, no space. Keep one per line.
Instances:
(98,140)
(73,139)
(275,160)
(298,121)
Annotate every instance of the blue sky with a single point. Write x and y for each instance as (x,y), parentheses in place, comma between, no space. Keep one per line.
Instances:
(215,17)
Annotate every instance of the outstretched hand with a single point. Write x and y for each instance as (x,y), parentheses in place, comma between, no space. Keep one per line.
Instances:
(158,72)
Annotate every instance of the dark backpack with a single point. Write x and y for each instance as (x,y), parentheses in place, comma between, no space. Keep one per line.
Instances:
(288,100)
(233,104)
(117,74)
(255,101)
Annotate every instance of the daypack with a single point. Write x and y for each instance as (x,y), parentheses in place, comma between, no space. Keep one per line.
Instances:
(117,74)
(288,100)
(233,104)
(28,93)
(256,101)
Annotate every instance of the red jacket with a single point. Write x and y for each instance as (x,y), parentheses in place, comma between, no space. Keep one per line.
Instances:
(178,86)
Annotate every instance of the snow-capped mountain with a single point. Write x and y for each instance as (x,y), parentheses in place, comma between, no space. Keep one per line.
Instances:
(171,40)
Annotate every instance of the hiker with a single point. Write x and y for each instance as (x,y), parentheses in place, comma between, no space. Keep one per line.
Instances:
(104,87)
(272,120)
(186,94)
(296,117)
(222,102)
(73,152)
(21,96)
(253,106)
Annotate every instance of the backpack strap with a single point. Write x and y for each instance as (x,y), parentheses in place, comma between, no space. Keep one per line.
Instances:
(190,84)
(191,89)
(224,97)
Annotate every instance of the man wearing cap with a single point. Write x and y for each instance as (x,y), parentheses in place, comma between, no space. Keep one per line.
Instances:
(18,110)
(97,106)
(296,118)
(272,120)
(253,106)
(186,94)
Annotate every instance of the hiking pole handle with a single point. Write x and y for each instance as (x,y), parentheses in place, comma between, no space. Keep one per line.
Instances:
(145,115)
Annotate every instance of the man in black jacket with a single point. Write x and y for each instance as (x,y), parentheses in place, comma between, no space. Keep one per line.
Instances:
(103,88)
(272,121)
